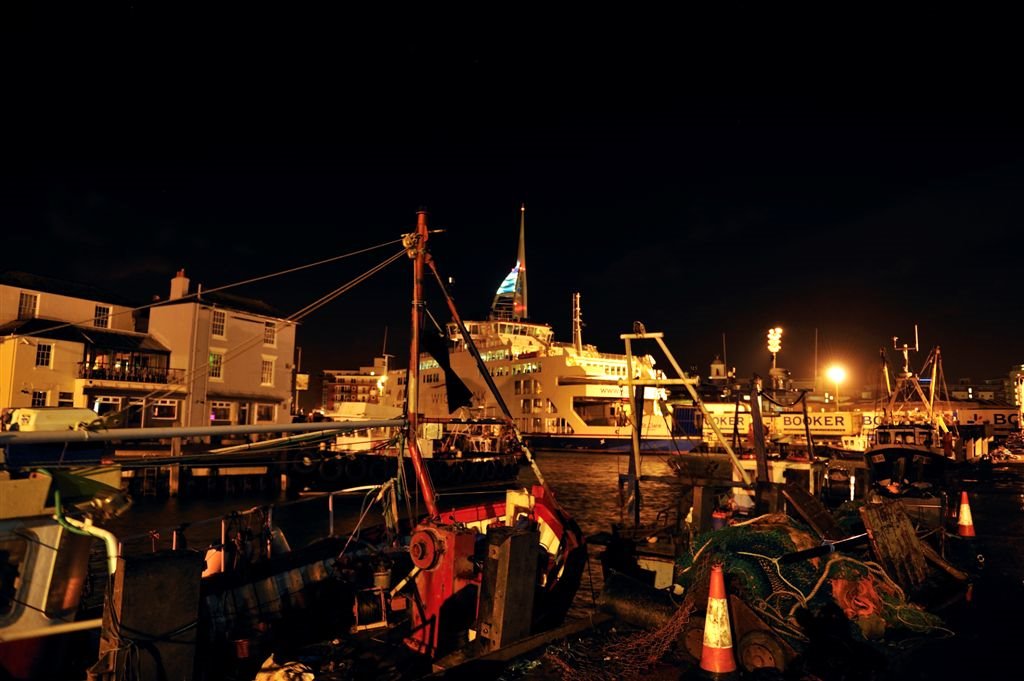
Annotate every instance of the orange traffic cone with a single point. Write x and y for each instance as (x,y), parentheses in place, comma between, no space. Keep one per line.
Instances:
(965,525)
(716,656)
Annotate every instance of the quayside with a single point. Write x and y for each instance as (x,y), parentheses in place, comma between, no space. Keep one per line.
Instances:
(440,588)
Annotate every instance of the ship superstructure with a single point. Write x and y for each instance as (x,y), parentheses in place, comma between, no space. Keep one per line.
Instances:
(562,396)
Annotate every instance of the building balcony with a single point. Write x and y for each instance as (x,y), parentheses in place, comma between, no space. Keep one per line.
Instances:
(133,375)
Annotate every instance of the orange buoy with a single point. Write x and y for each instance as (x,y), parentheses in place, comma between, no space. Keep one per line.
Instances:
(717,654)
(965,525)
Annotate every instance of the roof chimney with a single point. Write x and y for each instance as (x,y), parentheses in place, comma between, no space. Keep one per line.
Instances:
(179,285)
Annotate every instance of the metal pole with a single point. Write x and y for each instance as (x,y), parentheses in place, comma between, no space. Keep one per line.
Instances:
(416,245)
(295,380)
(636,398)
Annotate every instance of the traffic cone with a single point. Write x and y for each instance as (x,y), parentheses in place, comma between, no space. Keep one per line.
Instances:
(716,656)
(965,525)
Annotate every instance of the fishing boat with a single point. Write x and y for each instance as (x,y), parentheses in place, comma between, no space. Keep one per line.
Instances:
(913,450)
(562,396)
(436,589)
(48,521)
(458,453)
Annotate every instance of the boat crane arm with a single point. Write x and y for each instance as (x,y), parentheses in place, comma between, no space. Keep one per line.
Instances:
(488,379)
(687,383)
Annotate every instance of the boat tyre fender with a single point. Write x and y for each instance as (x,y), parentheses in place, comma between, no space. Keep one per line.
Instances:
(458,473)
(759,649)
(441,471)
(305,464)
(490,471)
(330,469)
(510,471)
(378,470)
(356,470)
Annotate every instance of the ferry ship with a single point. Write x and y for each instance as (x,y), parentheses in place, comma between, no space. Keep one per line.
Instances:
(562,396)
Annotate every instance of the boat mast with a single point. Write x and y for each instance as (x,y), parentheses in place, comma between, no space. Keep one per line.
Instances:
(416,247)
(484,371)
(931,384)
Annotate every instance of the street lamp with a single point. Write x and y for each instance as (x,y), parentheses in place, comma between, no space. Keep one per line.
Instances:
(774,342)
(837,375)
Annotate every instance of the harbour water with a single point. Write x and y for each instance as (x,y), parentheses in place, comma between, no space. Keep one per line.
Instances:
(984,631)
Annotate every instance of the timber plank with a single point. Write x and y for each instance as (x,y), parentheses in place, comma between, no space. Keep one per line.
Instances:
(814,513)
(895,544)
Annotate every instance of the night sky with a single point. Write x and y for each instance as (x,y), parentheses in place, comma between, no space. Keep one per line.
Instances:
(703,177)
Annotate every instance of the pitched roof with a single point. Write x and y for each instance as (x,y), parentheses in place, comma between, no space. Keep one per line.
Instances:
(230,301)
(54,329)
(35,282)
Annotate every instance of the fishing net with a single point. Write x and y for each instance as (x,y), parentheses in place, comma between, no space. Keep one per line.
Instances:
(619,655)
(750,553)
(788,597)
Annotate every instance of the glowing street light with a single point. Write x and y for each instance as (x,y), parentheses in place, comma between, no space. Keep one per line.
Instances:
(774,342)
(837,375)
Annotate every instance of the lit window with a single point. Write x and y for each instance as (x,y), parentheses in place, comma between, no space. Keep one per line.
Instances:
(220,412)
(28,306)
(39,398)
(217,324)
(267,372)
(216,365)
(44,354)
(101,317)
(105,405)
(265,413)
(269,333)
(165,409)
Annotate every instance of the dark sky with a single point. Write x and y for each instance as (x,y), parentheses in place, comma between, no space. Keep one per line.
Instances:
(704,175)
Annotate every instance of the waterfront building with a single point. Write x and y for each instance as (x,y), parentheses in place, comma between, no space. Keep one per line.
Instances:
(194,359)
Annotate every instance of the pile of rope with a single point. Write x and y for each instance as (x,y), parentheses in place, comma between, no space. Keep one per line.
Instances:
(617,656)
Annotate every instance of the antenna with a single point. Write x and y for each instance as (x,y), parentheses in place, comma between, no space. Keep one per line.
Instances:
(577,323)
(384,352)
(906,350)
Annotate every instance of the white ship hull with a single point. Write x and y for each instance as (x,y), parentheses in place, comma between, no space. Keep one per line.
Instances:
(560,396)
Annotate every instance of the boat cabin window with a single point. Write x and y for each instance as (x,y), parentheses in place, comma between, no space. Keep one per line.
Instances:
(68,576)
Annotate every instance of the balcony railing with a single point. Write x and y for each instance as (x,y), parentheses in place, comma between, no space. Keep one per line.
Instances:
(133,375)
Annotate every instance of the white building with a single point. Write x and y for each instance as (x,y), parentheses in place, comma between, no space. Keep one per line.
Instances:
(203,359)
(237,355)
